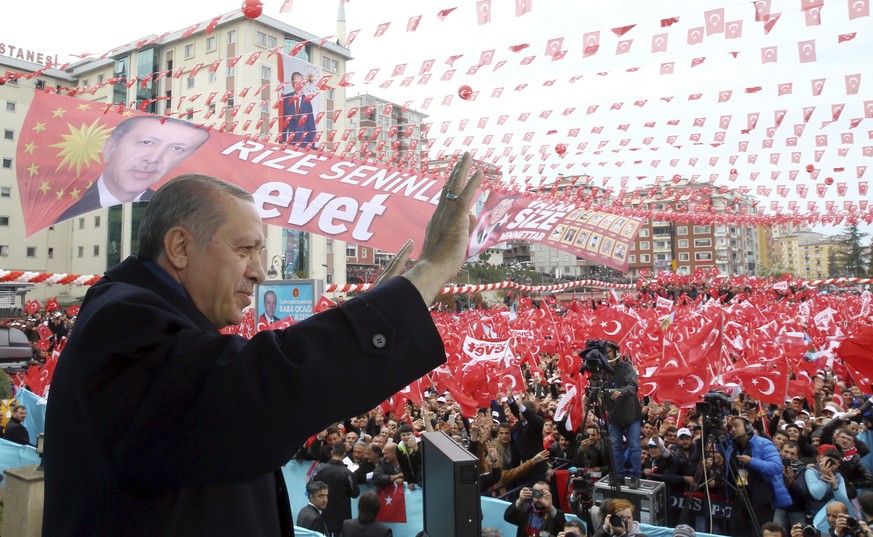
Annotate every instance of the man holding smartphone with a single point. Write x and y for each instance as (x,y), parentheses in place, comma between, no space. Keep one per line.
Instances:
(534,512)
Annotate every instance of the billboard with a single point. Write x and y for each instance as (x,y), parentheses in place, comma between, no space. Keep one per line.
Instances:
(281,303)
(301,101)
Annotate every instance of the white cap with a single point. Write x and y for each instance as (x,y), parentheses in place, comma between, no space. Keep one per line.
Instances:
(441,399)
(684,431)
(832,408)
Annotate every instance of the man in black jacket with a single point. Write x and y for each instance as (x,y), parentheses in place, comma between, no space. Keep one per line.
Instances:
(310,517)
(147,350)
(624,414)
(534,512)
(342,487)
(15,430)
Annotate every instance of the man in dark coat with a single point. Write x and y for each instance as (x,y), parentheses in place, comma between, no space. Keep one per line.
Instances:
(342,487)
(146,350)
(310,517)
(624,414)
(534,512)
(15,430)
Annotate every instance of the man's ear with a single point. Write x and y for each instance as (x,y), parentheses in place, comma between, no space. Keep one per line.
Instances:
(177,242)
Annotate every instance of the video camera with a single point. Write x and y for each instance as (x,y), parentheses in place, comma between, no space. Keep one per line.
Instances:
(714,408)
(595,357)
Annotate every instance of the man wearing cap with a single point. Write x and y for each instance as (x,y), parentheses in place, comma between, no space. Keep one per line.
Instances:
(624,413)
(756,469)
(855,473)
(679,476)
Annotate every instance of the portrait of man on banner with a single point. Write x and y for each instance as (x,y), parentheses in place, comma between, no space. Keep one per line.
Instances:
(140,152)
(489,224)
(301,102)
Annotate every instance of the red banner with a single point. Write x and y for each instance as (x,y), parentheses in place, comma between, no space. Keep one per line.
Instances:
(67,156)
(597,236)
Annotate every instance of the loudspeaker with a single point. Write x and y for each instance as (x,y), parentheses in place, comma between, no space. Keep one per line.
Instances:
(452,505)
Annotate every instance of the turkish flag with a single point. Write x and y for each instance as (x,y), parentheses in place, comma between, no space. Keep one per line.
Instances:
(679,386)
(855,350)
(43,331)
(858,8)
(765,384)
(714,21)
(522,7)
(72,311)
(32,306)
(51,304)
(483,11)
(392,500)
(324,303)
(806,51)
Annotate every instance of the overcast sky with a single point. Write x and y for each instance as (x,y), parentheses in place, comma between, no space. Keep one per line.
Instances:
(574,82)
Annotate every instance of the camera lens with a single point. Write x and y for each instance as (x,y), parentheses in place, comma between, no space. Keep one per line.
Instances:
(616,520)
(536,494)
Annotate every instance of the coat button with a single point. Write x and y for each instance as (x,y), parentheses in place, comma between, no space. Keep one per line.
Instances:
(379,341)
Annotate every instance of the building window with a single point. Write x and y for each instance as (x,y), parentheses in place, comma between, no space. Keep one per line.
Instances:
(363,253)
(703,256)
(86,82)
(81,251)
(40,84)
(5,191)
(10,106)
(81,223)
(211,44)
(100,78)
(644,232)
(50,253)
(265,72)
(662,257)
(335,65)
(684,256)
(632,259)
(4,250)
(683,243)
(7,163)
(4,221)
(189,50)
(703,243)
(190,82)
(662,245)
(212,77)
(325,62)
(702,230)
(189,114)
(351,251)
(8,134)
(682,230)
(231,71)
(261,39)
(231,37)
(96,250)
(31,251)
(96,221)
(644,245)
(644,258)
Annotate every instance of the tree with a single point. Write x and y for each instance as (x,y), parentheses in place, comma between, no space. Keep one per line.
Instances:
(851,258)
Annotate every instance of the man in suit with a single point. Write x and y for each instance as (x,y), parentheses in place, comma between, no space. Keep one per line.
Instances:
(299,120)
(269,315)
(146,350)
(365,525)
(140,151)
(310,517)
(342,487)
(15,430)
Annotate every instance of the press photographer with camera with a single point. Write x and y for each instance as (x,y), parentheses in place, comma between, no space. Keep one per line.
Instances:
(619,520)
(534,513)
(624,413)
(840,524)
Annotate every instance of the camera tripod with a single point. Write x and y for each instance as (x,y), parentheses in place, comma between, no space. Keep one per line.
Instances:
(717,444)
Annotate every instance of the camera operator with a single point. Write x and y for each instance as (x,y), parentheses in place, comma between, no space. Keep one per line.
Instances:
(619,520)
(534,513)
(757,470)
(624,414)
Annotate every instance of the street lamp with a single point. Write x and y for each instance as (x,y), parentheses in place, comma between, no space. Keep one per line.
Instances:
(278,260)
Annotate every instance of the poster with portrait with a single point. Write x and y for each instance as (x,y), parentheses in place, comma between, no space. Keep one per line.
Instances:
(281,303)
(597,236)
(301,101)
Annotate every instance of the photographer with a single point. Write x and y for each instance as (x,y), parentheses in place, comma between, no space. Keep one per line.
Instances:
(624,414)
(792,473)
(534,513)
(593,453)
(840,524)
(823,481)
(619,520)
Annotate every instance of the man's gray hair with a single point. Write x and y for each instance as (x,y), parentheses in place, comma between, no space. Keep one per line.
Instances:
(189,201)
